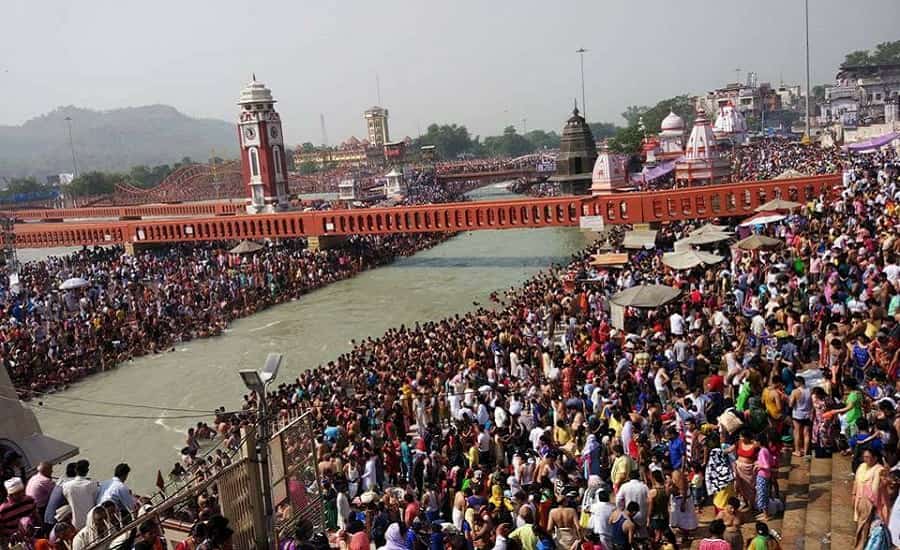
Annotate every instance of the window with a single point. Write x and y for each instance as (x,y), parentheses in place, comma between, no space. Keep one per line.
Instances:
(276,155)
(254,162)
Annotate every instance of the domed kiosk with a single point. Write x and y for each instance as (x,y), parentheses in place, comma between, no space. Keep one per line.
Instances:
(577,155)
(671,137)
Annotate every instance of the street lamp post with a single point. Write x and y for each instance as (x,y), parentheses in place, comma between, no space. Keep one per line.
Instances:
(72,147)
(808,130)
(256,381)
(581,52)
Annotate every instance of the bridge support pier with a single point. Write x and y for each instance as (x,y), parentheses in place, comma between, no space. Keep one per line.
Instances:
(326,242)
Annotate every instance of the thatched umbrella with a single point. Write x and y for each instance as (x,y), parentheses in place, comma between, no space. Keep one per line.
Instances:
(246,247)
(758,242)
(645,296)
(690,259)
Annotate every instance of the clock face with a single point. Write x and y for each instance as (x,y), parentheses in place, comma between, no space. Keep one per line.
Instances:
(273,131)
(249,132)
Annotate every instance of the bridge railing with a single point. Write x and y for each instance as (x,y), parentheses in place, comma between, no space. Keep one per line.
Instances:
(644,207)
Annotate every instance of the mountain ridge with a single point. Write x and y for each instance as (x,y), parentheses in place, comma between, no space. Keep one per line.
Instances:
(111,140)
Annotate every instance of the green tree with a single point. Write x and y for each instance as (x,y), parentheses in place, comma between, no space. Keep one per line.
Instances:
(633,113)
(510,144)
(308,167)
(24,185)
(94,183)
(627,140)
(307,147)
(603,130)
(859,57)
(818,92)
(887,53)
(543,140)
(451,140)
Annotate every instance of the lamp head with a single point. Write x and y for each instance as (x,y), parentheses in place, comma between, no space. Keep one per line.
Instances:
(270,370)
(253,381)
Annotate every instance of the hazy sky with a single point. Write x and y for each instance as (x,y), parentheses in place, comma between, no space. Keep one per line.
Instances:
(483,63)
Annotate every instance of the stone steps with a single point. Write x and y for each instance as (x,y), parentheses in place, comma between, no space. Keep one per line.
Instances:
(818,507)
(796,498)
(843,528)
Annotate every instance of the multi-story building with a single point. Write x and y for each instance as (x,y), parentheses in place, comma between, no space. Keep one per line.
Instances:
(750,99)
(860,93)
(377,126)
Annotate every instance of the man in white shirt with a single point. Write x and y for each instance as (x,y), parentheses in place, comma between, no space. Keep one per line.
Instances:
(635,490)
(676,324)
(81,493)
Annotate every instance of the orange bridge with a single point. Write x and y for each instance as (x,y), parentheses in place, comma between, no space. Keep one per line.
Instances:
(211,221)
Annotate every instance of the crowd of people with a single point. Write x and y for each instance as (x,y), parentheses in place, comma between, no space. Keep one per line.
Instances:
(769,158)
(539,424)
(547,420)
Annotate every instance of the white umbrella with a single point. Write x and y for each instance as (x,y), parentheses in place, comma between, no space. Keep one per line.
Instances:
(708,237)
(709,228)
(73,283)
(646,296)
(690,259)
(777,204)
(246,247)
(763,218)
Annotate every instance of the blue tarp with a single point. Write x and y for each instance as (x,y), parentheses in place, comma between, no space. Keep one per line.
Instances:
(30,197)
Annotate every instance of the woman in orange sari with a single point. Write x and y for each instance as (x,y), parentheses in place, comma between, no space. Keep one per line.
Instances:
(870,495)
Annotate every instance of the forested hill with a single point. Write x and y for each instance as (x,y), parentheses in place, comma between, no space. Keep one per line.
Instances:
(111,141)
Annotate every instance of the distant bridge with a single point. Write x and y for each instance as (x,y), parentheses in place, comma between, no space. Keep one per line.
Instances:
(736,199)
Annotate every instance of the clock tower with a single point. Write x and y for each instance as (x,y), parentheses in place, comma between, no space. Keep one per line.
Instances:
(263,164)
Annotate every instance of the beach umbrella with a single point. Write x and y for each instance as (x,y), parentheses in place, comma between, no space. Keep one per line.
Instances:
(709,228)
(763,218)
(246,247)
(757,242)
(777,204)
(690,259)
(645,296)
(73,283)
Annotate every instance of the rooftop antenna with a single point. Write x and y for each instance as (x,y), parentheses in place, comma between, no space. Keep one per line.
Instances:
(324,133)
(378,88)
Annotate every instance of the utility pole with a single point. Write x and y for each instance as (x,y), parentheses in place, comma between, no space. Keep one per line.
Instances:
(808,130)
(72,147)
(581,52)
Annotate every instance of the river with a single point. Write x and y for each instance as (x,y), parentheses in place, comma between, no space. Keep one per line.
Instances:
(202,374)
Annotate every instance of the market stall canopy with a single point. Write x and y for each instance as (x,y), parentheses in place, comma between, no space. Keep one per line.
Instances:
(640,238)
(706,238)
(763,218)
(757,242)
(246,247)
(709,228)
(789,174)
(646,296)
(690,259)
(73,283)
(872,144)
(609,259)
(777,204)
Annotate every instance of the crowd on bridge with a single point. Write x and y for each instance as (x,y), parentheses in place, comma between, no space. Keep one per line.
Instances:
(546,420)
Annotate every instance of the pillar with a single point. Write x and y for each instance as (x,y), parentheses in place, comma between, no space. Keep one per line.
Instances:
(326,242)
